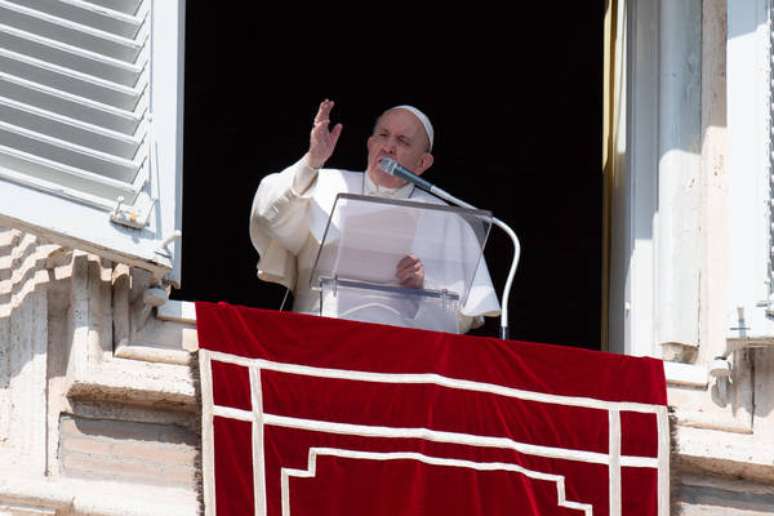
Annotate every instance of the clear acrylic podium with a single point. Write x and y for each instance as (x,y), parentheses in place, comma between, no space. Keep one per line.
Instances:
(366,237)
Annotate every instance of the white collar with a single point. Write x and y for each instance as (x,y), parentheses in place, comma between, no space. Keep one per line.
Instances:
(371,188)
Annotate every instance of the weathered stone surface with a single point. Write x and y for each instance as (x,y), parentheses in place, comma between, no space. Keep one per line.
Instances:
(81,428)
(138,452)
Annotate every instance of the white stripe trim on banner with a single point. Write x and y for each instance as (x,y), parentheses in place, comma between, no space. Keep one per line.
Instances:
(662,417)
(233,413)
(259,465)
(311,472)
(449,438)
(208,438)
(614,466)
(435,379)
(631,461)
(614,459)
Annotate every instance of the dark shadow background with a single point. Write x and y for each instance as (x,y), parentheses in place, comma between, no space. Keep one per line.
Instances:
(515,99)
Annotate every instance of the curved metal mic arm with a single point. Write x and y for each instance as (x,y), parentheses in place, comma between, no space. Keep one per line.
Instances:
(511,274)
(392,167)
(514,263)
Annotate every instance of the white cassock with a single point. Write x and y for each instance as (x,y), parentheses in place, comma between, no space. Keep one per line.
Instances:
(287,222)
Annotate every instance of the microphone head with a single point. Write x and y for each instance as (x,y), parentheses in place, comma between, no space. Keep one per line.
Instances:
(388,165)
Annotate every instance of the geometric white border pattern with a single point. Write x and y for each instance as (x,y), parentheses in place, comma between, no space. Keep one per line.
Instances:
(258,418)
(434,461)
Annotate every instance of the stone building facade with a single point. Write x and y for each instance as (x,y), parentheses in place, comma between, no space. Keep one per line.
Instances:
(99,408)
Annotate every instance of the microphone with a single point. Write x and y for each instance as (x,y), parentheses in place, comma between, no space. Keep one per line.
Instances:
(394,168)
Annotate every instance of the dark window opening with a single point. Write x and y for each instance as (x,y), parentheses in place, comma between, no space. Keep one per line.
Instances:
(517,109)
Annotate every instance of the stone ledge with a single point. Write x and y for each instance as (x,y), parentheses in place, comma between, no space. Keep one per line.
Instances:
(153,355)
(36,495)
(687,375)
(702,495)
(177,311)
(95,498)
(722,453)
(138,383)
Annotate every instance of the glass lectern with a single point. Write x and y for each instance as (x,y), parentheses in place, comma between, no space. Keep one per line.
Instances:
(366,237)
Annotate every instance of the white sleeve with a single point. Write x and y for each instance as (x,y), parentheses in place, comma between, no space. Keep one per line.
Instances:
(279,213)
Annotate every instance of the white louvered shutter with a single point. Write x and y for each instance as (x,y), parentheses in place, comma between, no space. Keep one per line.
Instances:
(91,125)
(749,56)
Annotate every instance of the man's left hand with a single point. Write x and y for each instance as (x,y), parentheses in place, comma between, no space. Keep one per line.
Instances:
(410,272)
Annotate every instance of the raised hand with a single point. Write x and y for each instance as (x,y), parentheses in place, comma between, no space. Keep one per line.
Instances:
(410,272)
(322,141)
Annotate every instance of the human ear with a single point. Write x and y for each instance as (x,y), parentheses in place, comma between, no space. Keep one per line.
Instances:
(425,162)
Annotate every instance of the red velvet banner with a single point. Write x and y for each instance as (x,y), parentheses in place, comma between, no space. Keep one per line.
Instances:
(312,416)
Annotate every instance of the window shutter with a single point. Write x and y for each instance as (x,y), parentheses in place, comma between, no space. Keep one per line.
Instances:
(91,104)
(749,103)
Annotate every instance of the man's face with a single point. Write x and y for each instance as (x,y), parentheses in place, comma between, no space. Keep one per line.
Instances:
(398,135)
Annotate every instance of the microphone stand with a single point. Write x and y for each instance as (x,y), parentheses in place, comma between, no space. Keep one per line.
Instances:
(393,168)
(446,196)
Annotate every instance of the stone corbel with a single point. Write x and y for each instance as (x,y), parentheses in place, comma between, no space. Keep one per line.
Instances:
(118,349)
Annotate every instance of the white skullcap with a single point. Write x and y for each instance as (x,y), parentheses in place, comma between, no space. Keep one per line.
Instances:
(422,118)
